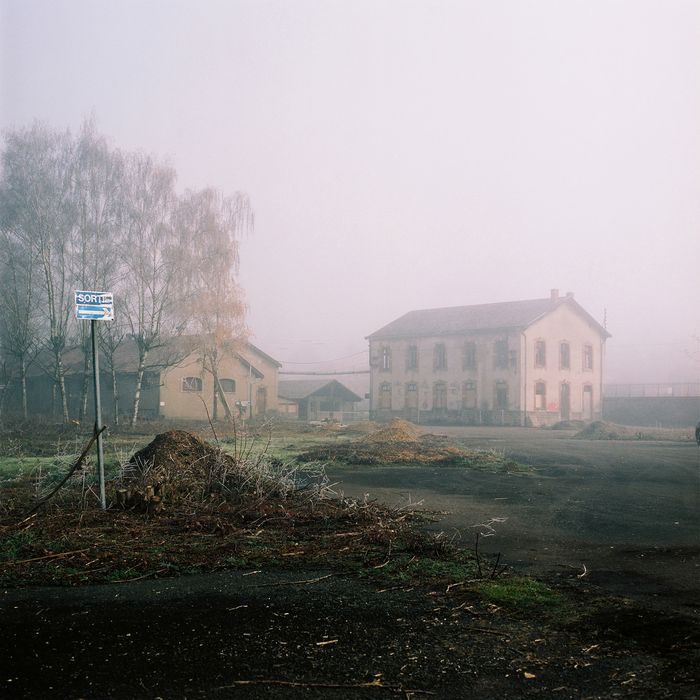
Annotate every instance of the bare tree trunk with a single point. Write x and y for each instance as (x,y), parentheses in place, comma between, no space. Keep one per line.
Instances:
(115,396)
(218,391)
(137,391)
(61,379)
(23,383)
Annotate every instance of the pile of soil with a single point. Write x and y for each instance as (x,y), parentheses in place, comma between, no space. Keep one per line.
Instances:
(397,431)
(401,442)
(176,449)
(602,430)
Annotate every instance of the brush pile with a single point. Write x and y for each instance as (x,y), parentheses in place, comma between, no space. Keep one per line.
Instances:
(181,467)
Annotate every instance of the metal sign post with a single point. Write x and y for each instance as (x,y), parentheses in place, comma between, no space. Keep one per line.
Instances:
(96,306)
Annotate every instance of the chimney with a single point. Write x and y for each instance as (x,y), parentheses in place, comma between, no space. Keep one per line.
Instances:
(569,295)
(553,294)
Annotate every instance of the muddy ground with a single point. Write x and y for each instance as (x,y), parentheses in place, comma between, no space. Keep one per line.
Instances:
(627,628)
(627,510)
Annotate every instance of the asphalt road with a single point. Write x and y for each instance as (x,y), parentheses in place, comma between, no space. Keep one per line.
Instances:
(627,511)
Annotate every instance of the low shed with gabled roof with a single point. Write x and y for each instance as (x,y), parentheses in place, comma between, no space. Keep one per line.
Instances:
(316,399)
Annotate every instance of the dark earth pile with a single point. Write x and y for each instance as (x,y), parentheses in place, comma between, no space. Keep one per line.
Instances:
(177,449)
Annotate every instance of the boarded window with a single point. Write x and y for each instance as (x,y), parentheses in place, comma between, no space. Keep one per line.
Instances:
(500,353)
(587,357)
(540,396)
(469,395)
(191,384)
(228,386)
(385,396)
(469,356)
(440,356)
(564,356)
(412,357)
(540,353)
(439,395)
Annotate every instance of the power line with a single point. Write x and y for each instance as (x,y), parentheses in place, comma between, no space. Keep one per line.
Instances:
(327,374)
(319,362)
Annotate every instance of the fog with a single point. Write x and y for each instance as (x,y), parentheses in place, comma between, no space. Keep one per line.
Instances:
(403,155)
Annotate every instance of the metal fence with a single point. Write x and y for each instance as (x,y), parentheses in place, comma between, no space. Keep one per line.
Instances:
(683,389)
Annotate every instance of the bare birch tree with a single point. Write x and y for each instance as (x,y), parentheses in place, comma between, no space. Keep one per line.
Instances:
(98,188)
(19,322)
(38,168)
(153,263)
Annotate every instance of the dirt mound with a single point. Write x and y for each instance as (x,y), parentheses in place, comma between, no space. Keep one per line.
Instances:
(401,442)
(175,449)
(602,430)
(176,465)
(397,431)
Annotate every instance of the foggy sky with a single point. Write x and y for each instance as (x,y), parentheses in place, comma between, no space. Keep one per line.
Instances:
(404,155)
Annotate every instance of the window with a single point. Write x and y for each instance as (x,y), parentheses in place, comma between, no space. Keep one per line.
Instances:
(501,395)
(385,396)
(439,395)
(540,353)
(540,396)
(469,395)
(386,359)
(440,356)
(228,386)
(411,400)
(191,384)
(500,352)
(469,356)
(564,356)
(587,357)
(412,357)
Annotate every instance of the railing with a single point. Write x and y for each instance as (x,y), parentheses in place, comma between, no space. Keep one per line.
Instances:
(684,389)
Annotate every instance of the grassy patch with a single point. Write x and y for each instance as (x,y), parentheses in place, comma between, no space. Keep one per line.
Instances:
(405,568)
(521,593)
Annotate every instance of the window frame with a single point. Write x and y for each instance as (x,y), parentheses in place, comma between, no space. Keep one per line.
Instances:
(227,379)
(540,353)
(440,356)
(412,357)
(440,391)
(469,355)
(500,353)
(562,345)
(542,393)
(385,359)
(186,385)
(384,393)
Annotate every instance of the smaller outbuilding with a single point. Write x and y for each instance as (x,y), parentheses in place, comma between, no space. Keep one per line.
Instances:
(317,399)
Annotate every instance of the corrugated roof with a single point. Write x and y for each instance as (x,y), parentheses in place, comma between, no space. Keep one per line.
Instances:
(455,320)
(297,389)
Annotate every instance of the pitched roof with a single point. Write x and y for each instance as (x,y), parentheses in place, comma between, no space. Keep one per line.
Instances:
(297,389)
(170,353)
(455,320)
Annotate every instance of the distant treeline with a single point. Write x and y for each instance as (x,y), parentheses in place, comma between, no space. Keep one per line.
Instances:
(77,213)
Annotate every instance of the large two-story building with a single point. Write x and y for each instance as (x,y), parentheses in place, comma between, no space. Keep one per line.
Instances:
(534,362)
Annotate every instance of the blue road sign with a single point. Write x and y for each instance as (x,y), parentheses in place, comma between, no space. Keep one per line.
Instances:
(94,306)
